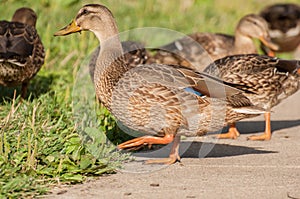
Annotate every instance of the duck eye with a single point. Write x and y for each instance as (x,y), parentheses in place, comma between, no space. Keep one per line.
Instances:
(85,12)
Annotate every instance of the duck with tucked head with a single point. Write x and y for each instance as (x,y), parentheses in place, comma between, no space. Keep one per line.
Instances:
(284,23)
(162,101)
(199,49)
(21,50)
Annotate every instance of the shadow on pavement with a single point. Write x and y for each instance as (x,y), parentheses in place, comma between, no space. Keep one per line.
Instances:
(190,149)
(212,150)
(246,127)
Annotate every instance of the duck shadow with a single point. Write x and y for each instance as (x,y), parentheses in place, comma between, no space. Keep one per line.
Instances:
(215,150)
(193,149)
(37,86)
(247,127)
(190,149)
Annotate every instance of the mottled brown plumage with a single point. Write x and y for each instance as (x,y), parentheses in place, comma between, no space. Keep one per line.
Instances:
(197,50)
(21,50)
(162,101)
(284,25)
(267,80)
(137,51)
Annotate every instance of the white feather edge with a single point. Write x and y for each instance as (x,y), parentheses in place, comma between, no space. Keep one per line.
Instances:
(250,110)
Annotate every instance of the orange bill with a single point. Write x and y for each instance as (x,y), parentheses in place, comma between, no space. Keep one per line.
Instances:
(268,43)
(69,29)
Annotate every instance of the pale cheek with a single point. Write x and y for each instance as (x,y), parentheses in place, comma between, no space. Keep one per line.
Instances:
(98,35)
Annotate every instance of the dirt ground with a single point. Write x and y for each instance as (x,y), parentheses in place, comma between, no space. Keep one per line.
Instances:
(213,168)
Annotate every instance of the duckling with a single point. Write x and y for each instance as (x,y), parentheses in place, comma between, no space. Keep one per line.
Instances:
(162,101)
(21,50)
(198,50)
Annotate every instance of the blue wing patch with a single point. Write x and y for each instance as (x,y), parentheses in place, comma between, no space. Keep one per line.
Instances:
(191,90)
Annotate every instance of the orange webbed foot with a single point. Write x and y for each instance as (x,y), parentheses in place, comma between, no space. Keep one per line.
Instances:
(173,157)
(232,133)
(267,135)
(168,161)
(263,137)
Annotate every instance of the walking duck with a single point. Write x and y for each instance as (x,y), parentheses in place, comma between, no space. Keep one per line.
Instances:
(21,50)
(284,26)
(162,101)
(198,50)
(267,81)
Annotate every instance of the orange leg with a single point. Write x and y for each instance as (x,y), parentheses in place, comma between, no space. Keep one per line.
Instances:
(267,135)
(232,133)
(146,140)
(173,157)
(137,142)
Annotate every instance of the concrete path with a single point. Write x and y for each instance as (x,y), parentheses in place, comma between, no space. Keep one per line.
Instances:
(213,168)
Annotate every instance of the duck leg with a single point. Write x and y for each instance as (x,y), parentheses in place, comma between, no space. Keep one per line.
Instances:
(24,89)
(174,154)
(173,157)
(146,140)
(232,133)
(267,135)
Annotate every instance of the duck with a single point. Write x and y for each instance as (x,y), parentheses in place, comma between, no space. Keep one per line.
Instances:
(198,50)
(162,101)
(22,52)
(268,81)
(284,27)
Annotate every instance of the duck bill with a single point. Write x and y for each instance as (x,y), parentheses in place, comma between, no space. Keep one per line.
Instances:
(69,29)
(268,43)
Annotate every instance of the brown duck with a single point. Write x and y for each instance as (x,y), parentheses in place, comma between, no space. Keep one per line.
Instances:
(198,50)
(162,101)
(267,81)
(284,24)
(21,50)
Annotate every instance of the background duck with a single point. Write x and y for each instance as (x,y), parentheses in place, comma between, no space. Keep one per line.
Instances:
(21,50)
(162,101)
(284,27)
(267,81)
(198,50)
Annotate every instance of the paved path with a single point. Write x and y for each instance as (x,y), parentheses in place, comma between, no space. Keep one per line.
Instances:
(231,168)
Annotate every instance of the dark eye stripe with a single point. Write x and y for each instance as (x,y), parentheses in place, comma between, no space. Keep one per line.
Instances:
(256,23)
(84,12)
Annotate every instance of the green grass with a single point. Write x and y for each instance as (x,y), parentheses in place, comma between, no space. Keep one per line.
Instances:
(41,142)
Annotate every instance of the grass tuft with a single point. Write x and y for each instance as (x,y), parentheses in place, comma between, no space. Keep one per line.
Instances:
(39,144)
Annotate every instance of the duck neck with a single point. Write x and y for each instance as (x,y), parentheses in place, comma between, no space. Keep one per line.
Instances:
(108,68)
(243,44)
